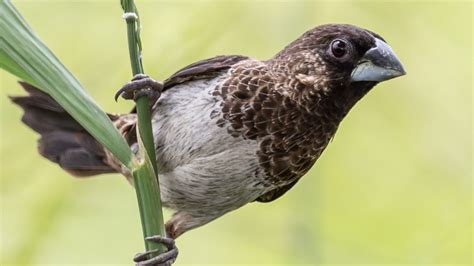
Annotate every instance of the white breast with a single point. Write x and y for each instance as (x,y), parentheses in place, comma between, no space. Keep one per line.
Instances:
(201,165)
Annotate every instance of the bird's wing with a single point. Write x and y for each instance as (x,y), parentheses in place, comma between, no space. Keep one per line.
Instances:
(276,193)
(204,69)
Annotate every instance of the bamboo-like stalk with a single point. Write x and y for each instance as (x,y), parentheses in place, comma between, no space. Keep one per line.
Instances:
(146,177)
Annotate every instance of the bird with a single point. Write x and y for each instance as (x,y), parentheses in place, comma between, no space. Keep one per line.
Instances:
(229,130)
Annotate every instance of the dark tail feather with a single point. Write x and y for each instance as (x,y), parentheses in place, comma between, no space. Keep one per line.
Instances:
(63,140)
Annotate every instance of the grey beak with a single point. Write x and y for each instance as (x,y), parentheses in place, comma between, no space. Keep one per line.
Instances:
(378,64)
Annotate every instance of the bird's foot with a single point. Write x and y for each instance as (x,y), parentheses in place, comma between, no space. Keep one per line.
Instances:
(164,259)
(140,85)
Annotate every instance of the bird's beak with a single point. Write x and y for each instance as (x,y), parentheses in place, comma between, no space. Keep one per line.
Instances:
(378,64)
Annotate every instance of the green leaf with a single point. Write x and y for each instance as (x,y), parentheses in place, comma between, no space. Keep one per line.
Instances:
(9,65)
(24,55)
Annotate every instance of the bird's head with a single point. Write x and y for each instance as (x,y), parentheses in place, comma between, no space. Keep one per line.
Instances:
(337,62)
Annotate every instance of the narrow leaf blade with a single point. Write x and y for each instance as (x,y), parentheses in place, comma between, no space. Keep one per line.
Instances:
(23,54)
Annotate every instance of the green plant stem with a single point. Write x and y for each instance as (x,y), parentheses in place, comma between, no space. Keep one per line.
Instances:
(151,216)
(146,177)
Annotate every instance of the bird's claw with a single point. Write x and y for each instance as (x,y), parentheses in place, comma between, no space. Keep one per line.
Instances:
(140,85)
(164,259)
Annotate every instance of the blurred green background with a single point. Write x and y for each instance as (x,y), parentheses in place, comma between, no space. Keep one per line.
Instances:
(394,187)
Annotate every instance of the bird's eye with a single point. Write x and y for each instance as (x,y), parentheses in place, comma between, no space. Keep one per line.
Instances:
(338,48)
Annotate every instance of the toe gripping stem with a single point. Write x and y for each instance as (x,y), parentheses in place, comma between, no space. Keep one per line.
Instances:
(140,85)
(164,259)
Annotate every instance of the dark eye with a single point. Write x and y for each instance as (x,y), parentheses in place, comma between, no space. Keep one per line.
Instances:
(338,48)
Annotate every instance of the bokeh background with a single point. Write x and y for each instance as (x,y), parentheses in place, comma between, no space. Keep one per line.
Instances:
(394,187)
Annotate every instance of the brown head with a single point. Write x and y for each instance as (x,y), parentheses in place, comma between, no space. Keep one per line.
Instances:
(339,63)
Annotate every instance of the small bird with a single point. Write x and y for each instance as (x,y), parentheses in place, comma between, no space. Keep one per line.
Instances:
(229,130)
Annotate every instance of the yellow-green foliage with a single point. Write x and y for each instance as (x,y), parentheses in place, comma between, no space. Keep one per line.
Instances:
(23,54)
(395,185)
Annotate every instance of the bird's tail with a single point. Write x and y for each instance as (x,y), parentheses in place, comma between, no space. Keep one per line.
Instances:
(63,140)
